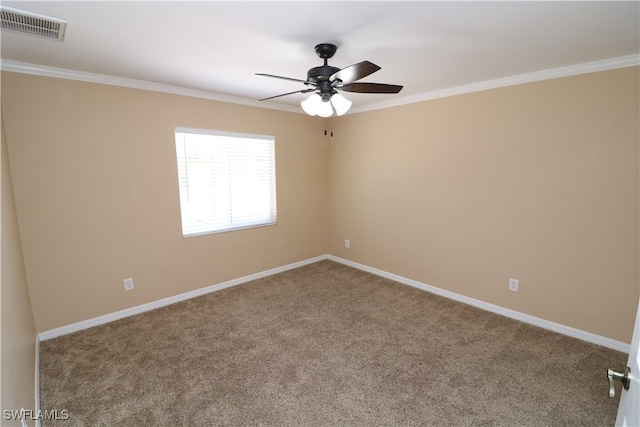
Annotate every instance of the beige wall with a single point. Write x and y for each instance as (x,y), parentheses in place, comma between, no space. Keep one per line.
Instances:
(95,180)
(18,354)
(537,182)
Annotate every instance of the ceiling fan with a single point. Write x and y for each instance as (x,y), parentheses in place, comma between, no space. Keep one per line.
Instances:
(325,81)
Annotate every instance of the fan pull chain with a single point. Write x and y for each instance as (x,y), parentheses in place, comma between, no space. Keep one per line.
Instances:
(330,128)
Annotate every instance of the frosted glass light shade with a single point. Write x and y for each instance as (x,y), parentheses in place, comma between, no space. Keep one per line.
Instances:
(311,104)
(325,109)
(340,103)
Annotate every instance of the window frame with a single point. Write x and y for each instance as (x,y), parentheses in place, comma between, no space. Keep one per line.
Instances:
(269,213)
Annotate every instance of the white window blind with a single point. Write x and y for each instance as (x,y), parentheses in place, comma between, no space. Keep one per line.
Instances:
(227,181)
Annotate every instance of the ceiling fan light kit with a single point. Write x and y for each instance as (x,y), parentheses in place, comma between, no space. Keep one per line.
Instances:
(316,106)
(326,80)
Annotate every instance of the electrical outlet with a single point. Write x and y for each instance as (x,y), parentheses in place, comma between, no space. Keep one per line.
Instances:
(513,285)
(128,284)
(346,243)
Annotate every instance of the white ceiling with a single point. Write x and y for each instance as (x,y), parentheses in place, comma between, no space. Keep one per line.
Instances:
(429,47)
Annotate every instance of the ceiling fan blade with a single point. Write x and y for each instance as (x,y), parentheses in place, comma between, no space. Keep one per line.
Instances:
(355,72)
(283,78)
(370,88)
(288,93)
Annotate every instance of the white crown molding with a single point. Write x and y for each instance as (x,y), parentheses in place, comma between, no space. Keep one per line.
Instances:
(63,73)
(572,70)
(553,73)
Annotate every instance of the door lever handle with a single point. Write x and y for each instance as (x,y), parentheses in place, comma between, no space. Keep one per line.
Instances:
(614,376)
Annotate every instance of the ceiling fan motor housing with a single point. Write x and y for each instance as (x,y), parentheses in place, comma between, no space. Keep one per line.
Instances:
(322,72)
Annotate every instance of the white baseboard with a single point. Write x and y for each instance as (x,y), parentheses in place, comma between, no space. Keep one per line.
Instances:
(100,320)
(532,320)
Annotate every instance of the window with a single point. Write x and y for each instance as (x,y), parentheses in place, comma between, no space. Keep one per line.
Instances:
(227,181)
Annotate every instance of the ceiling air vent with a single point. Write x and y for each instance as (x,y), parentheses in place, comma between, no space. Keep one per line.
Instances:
(31,23)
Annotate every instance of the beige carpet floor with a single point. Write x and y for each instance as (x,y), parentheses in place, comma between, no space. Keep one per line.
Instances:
(325,345)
